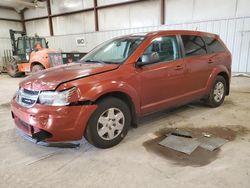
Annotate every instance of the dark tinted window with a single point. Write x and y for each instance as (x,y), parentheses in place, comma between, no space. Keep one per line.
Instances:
(213,45)
(194,45)
(165,48)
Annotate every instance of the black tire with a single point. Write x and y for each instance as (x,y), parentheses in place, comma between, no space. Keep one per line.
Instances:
(37,68)
(213,100)
(91,133)
(12,69)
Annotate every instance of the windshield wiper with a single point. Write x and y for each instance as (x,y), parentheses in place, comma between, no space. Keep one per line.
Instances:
(94,61)
(99,61)
(110,62)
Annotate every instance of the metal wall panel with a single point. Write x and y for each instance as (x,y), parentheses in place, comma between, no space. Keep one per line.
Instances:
(6,25)
(108,2)
(62,6)
(75,23)
(141,14)
(214,9)
(234,32)
(11,14)
(41,27)
(183,11)
(243,8)
(179,11)
(36,12)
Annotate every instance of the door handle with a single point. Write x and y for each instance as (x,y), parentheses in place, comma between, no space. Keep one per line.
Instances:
(210,61)
(179,67)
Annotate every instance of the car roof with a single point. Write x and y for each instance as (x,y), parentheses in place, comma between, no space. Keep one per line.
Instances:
(176,32)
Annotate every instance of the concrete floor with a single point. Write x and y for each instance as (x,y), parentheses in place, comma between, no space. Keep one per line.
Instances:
(133,163)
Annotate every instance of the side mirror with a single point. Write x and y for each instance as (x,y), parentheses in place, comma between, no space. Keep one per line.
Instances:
(47,44)
(148,58)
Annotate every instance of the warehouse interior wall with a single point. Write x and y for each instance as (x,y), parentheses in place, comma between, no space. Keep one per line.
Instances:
(228,18)
(5,26)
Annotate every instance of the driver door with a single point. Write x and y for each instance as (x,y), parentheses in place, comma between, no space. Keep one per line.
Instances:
(162,80)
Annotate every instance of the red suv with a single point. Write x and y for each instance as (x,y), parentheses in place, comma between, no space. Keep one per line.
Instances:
(119,81)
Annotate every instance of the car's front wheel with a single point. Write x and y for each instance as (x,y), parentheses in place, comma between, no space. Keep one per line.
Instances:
(218,92)
(109,124)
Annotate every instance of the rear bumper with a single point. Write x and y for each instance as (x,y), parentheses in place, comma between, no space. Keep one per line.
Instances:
(66,123)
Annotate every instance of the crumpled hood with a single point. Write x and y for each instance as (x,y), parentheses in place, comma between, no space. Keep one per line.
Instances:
(49,79)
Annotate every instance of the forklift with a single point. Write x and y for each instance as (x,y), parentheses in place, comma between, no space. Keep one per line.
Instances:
(19,60)
(25,58)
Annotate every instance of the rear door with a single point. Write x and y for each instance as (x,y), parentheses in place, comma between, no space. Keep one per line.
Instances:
(199,63)
(216,51)
(163,80)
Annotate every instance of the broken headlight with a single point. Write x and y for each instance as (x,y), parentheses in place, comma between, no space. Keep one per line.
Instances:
(56,98)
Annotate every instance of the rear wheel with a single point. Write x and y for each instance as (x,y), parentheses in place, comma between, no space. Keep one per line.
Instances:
(109,124)
(37,68)
(12,68)
(218,92)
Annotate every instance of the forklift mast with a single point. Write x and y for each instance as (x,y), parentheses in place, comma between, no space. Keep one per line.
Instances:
(13,40)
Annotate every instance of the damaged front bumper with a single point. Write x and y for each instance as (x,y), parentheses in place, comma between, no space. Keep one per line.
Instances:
(68,144)
(51,124)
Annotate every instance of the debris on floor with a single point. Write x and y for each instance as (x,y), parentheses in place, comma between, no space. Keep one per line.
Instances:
(181,133)
(178,143)
(211,143)
(182,141)
(200,156)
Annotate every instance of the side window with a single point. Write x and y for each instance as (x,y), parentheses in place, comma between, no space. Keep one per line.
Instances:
(162,49)
(213,45)
(193,45)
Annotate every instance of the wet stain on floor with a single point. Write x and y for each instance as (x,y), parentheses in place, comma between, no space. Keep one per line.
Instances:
(5,105)
(200,157)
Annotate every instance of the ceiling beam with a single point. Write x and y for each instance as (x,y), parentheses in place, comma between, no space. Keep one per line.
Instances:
(120,4)
(11,20)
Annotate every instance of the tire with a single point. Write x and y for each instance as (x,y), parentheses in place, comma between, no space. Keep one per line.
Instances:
(109,124)
(12,68)
(37,68)
(217,93)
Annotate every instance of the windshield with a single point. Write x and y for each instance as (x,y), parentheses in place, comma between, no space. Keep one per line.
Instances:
(42,41)
(114,51)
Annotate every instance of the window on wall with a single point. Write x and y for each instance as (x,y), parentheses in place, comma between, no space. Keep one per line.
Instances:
(213,45)
(165,48)
(193,45)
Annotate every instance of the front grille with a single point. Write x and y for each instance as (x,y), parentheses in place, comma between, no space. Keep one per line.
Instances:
(30,92)
(27,98)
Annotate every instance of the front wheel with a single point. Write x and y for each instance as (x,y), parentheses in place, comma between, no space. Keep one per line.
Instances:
(217,93)
(109,124)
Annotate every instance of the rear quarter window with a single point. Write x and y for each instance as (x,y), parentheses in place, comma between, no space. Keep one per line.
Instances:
(193,45)
(213,45)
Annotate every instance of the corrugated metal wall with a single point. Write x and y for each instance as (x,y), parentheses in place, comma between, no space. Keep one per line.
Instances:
(229,18)
(234,32)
